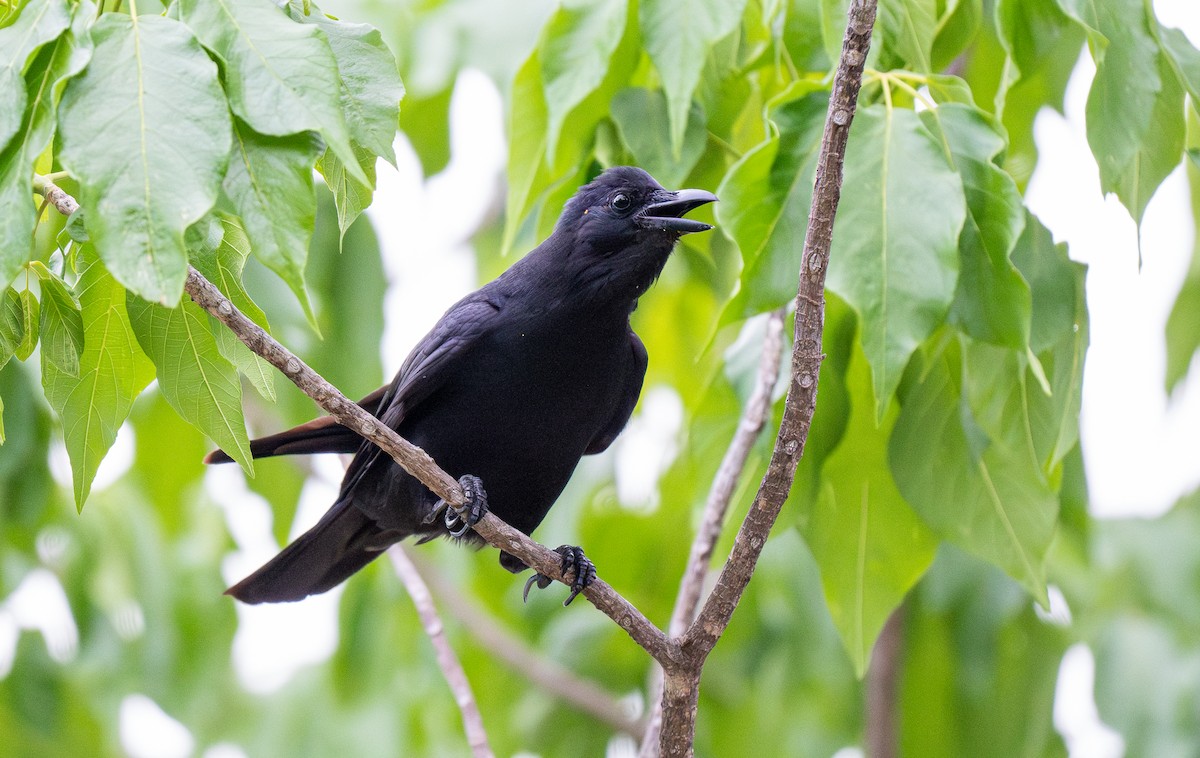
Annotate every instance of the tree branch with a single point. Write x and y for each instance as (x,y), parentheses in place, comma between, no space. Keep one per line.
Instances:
(447,660)
(544,672)
(754,417)
(882,680)
(682,682)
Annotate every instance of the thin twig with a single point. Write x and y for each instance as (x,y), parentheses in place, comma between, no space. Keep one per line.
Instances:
(754,417)
(544,672)
(882,680)
(447,660)
(55,195)
(682,681)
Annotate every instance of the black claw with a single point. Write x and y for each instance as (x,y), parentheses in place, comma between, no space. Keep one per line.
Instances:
(460,520)
(573,562)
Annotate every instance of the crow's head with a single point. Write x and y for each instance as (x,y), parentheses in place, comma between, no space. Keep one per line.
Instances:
(623,225)
(625,206)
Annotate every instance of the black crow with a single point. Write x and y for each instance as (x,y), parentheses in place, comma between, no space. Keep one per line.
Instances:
(509,390)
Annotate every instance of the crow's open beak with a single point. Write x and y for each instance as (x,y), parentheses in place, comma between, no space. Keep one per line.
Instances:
(665,212)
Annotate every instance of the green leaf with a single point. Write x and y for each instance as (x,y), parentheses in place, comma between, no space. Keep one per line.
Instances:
(678,35)
(1059,339)
(146,131)
(39,22)
(906,30)
(61,324)
(12,324)
(764,207)
(1183,325)
(350,195)
(44,80)
(640,116)
(370,90)
(957,29)
(1029,31)
(992,300)
(870,545)
(199,383)
(1087,15)
(30,312)
(574,52)
(270,183)
(281,77)
(1161,149)
(982,490)
(222,264)
(1134,109)
(112,372)
(528,173)
(899,276)
(1185,59)
(425,121)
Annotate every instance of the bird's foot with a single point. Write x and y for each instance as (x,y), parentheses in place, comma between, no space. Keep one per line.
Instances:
(460,520)
(573,560)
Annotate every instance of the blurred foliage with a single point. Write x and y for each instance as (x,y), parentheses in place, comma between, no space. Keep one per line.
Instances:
(942,478)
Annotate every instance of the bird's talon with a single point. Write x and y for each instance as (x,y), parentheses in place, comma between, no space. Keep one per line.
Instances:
(573,562)
(542,582)
(460,520)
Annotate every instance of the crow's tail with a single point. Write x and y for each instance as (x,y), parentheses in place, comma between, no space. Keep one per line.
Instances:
(342,542)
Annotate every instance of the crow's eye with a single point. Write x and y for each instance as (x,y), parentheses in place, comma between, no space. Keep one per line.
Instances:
(620,202)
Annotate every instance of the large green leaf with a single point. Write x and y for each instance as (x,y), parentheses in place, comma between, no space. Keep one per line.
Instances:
(640,116)
(764,207)
(370,90)
(528,173)
(112,371)
(992,300)
(976,481)
(146,131)
(43,83)
(270,182)
(1029,31)
(281,77)
(370,87)
(899,276)
(574,54)
(976,659)
(222,262)
(678,35)
(199,383)
(906,31)
(870,545)
(1134,109)
(61,331)
(39,22)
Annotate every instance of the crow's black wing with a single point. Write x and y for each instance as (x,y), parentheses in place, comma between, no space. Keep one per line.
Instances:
(435,358)
(629,398)
(321,435)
